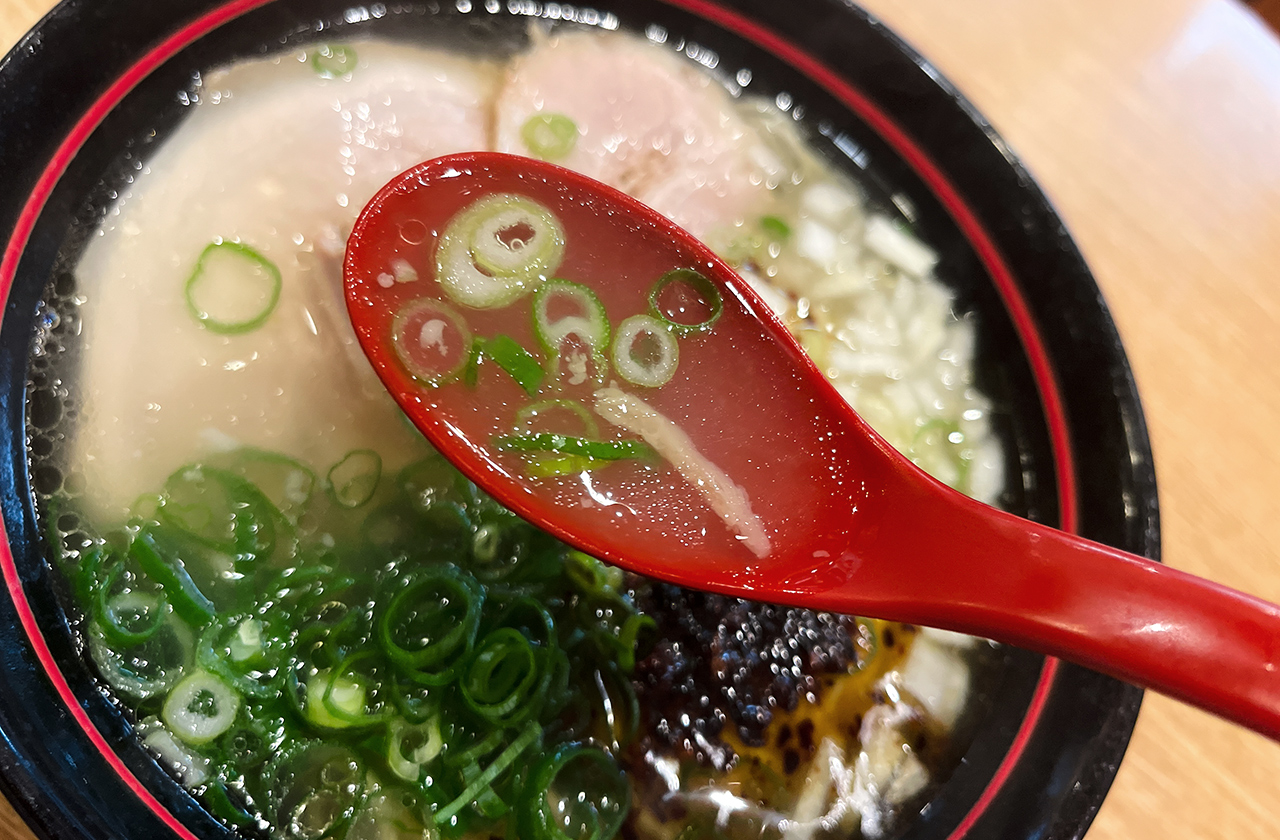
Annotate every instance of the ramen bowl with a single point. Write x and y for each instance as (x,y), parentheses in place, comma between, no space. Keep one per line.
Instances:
(90,99)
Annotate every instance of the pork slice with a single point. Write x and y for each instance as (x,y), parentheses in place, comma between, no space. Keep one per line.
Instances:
(649,123)
(282,160)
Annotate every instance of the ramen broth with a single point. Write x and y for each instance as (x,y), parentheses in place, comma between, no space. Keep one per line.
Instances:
(321,629)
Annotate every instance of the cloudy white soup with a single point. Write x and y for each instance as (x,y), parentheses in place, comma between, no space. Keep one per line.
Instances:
(318,626)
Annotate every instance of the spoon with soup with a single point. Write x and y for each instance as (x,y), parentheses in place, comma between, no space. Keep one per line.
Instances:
(603,374)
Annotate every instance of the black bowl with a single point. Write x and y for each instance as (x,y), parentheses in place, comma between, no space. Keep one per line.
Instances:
(96,86)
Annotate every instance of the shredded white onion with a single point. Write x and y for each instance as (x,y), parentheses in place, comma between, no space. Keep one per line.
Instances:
(191,768)
(900,248)
(728,500)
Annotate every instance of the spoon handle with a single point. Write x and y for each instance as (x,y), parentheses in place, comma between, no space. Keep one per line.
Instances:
(1062,595)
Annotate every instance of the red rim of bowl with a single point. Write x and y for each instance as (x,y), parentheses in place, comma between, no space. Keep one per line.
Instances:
(848,95)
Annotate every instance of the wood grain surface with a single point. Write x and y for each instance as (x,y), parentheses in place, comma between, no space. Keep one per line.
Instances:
(1154,126)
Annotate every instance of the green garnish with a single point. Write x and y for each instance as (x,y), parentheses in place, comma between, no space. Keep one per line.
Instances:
(551,466)
(353,480)
(233,289)
(507,679)
(333,61)
(431,624)
(471,646)
(587,325)
(604,450)
(200,708)
(515,360)
(497,250)
(577,792)
(529,736)
(686,283)
(550,136)
(775,227)
(187,599)
(645,351)
(129,618)
(432,341)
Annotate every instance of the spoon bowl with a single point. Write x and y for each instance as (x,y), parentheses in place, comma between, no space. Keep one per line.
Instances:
(788,495)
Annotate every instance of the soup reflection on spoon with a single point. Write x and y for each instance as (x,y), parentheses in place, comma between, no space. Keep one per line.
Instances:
(602,373)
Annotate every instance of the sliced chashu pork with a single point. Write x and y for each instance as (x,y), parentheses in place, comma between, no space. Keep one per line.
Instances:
(282,160)
(649,122)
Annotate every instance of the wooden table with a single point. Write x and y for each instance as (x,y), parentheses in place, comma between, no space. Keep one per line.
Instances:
(1154,126)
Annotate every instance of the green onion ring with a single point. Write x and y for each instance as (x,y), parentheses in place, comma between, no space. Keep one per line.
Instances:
(699,282)
(604,450)
(605,804)
(429,663)
(506,680)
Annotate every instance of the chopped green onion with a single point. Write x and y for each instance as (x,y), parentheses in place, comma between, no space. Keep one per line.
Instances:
(636,637)
(410,747)
(147,669)
(432,341)
(286,482)
(219,509)
(338,698)
(553,466)
(242,651)
(233,289)
(334,701)
(529,736)
(531,617)
(198,504)
(333,61)
(775,227)
(129,618)
(500,548)
(515,237)
(552,416)
(246,643)
(497,250)
(587,324)
(431,623)
(416,703)
(220,802)
(506,680)
(471,369)
(200,708)
(577,792)
(353,480)
(682,293)
(528,418)
(515,360)
(645,352)
(549,136)
(85,575)
(604,450)
(472,753)
(247,744)
(444,682)
(433,481)
(181,590)
(147,507)
(315,788)
(191,768)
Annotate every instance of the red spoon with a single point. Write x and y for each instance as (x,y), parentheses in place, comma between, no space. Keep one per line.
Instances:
(791,497)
